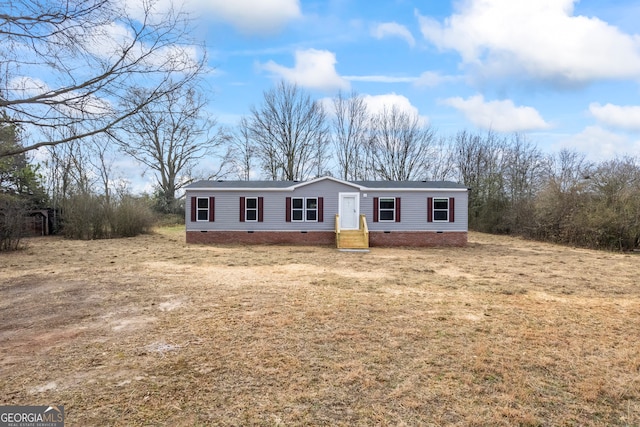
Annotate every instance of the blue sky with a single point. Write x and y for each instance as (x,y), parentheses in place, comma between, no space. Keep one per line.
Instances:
(565,73)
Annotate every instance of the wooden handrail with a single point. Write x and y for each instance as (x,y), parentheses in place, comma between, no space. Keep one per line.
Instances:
(337,223)
(363,224)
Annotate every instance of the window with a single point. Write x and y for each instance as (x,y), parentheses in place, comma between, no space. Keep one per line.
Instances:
(251,209)
(203,209)
(441,209)
(387,209)
(304,209)
(312,209)
(297,209)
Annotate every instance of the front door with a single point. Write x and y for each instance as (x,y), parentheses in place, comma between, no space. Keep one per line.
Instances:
(349,210)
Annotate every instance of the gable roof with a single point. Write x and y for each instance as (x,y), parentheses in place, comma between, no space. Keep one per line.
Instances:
(292,185)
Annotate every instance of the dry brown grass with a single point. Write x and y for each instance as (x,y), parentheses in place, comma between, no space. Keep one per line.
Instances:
(150,331)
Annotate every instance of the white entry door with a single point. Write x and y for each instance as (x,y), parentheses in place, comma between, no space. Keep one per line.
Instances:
(349,210)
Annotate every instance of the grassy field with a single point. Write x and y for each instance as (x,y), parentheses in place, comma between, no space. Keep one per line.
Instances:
(151,331)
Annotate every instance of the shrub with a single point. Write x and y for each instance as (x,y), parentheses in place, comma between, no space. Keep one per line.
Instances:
(12,214)
(132,216)
(89,216)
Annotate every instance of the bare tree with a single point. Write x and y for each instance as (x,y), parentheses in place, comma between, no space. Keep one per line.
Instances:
(70,64)
(480,165)
(288,129)
(169,136)
(243,150)
(524,170)
(441,165)
(350,133)
(400,145)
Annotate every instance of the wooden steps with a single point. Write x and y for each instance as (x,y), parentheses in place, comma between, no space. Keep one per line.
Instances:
(353,239)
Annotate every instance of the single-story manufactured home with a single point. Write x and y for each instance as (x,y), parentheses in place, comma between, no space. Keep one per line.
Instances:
(327,210)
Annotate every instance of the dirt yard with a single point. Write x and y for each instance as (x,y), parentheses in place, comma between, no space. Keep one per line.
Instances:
(151,331)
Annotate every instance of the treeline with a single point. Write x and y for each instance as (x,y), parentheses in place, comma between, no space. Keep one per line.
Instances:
(515,187)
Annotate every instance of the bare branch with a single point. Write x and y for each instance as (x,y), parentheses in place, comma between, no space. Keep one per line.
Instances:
(71,64)
(289,131)
(169,136)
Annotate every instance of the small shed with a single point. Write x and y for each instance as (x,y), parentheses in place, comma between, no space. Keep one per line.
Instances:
(36,223)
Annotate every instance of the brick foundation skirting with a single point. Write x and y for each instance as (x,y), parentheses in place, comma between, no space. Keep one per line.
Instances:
(263,237)
(376,238)
(422,239)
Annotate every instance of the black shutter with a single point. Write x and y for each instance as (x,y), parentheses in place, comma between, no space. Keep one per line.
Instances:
(287,207)
(451,209)
(212,209)
(375,209)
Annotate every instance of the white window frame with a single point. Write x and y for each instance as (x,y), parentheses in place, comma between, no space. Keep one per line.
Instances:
(434,210)
(199,209)
(307,209)
(392,210)
(304,209)
(247,209)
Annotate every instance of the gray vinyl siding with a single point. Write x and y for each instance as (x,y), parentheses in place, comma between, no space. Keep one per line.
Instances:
(227,211)
(413,208)
(413,211)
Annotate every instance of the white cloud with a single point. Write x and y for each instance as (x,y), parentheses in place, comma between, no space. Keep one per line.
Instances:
(540,38)
(501,116)
(600,144)
(433,79)
(426,79)
(376,104)
(108,42)
(254,17)
(617,116)
(313,69)
(71,103)
(151,12)
(26,86)
(393,29)
(381,79)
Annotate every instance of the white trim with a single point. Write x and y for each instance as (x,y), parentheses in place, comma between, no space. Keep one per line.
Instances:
(198,209)
(282,189)
(304,209)
(246,209)
(330,178)
(422,190)
(386,210)
(433,209)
